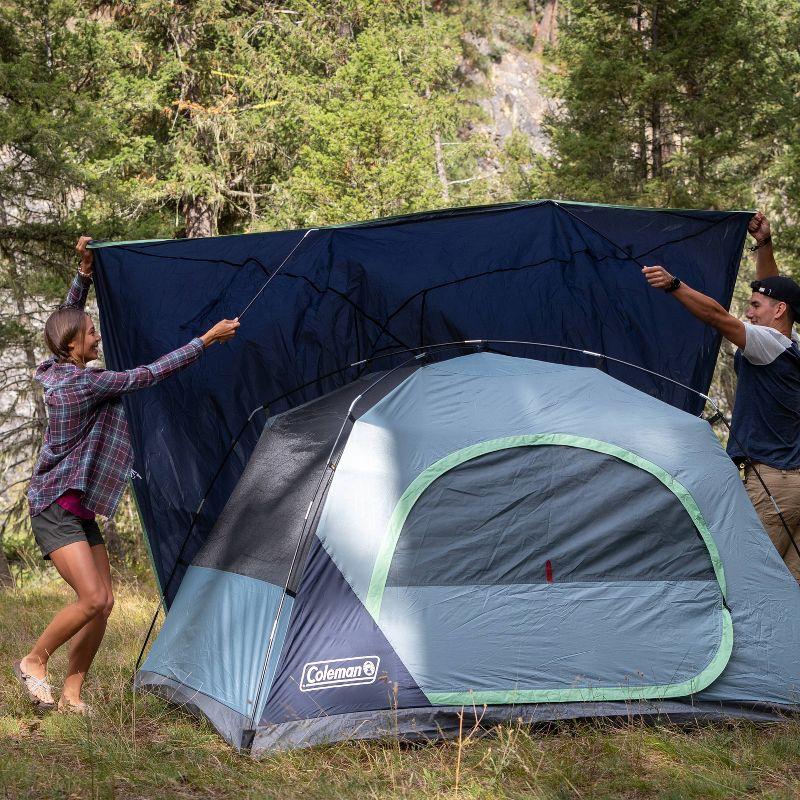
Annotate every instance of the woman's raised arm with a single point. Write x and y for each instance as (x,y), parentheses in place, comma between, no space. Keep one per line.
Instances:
(106,383)
(79,288)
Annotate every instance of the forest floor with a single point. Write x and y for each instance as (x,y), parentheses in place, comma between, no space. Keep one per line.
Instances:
(140,747)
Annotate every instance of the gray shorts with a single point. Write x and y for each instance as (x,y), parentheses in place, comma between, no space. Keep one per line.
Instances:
(55,527)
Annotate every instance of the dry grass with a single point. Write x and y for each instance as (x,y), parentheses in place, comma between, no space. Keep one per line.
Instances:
(139,747)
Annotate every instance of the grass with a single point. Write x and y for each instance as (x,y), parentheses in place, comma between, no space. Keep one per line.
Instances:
(140,747)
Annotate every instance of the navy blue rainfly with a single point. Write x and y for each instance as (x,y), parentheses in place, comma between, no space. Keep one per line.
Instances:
(565,274)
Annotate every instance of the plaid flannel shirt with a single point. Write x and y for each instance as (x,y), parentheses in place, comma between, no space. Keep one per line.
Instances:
(86,445)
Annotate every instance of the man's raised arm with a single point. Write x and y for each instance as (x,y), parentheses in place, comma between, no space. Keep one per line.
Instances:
(759,229)
(705,308)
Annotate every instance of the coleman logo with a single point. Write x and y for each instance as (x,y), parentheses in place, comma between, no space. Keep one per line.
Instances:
(339,672)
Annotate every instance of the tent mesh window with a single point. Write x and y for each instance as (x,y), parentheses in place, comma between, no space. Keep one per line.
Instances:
(588,568)
(501,517)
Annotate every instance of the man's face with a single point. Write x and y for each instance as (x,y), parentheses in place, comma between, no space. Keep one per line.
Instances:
(763,310)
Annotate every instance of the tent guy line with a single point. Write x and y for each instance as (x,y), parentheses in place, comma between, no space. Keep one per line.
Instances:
(280,267)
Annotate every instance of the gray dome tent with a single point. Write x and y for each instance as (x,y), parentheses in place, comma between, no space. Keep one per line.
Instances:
(539,539)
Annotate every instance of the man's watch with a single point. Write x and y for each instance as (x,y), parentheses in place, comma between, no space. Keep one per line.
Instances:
(763,243)
(674,284)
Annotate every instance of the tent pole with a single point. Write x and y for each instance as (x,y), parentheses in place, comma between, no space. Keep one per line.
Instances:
(329,465)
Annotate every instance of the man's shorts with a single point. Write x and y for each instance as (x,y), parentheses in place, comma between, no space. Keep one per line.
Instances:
(56,527)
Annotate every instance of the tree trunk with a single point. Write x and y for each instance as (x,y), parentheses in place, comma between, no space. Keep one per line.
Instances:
(39,410)
(438,157)
(547,32)
(6,578)
(18,294)
(200,217)
(727,375)
(641,119)
(656,145)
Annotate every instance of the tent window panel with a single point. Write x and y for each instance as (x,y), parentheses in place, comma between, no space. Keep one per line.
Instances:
(502,517)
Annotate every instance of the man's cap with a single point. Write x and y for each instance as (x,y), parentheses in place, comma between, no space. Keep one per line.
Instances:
(779,287)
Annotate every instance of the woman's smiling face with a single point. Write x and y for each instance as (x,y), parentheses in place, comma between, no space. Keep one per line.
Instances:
(85,346)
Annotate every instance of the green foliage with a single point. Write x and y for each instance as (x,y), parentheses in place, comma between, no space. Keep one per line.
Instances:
(251,115)
(663,102)
(158,118)
(522,169)
(369,141)
(44,137)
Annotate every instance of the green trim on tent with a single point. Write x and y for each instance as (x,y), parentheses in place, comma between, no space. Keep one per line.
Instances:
(99,245)
(593,694)
(647,208)
(384,559)
(380,571)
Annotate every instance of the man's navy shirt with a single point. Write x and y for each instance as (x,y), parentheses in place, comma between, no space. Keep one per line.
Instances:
(766,414)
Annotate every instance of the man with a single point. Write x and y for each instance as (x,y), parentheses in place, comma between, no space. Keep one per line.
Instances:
(766,415)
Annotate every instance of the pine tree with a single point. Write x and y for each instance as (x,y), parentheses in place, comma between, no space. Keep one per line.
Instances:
(45,134)
(661,101)
(188,92)
(383,133)
(371,141)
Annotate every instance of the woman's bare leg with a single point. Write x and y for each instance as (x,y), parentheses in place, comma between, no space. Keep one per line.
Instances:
(76,565)
(84,644)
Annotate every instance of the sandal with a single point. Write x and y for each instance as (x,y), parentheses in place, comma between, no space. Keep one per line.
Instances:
(68,707)
(39,691)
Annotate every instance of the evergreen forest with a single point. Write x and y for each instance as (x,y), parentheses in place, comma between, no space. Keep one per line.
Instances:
(141,119)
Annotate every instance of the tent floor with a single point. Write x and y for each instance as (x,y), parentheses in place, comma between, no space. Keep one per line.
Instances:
(430,724)
(433,723)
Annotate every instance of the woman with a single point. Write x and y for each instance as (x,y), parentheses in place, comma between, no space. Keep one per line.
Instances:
(82,468)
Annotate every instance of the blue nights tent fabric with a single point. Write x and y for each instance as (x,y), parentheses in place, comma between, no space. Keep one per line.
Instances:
(566,274)
(485,530)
